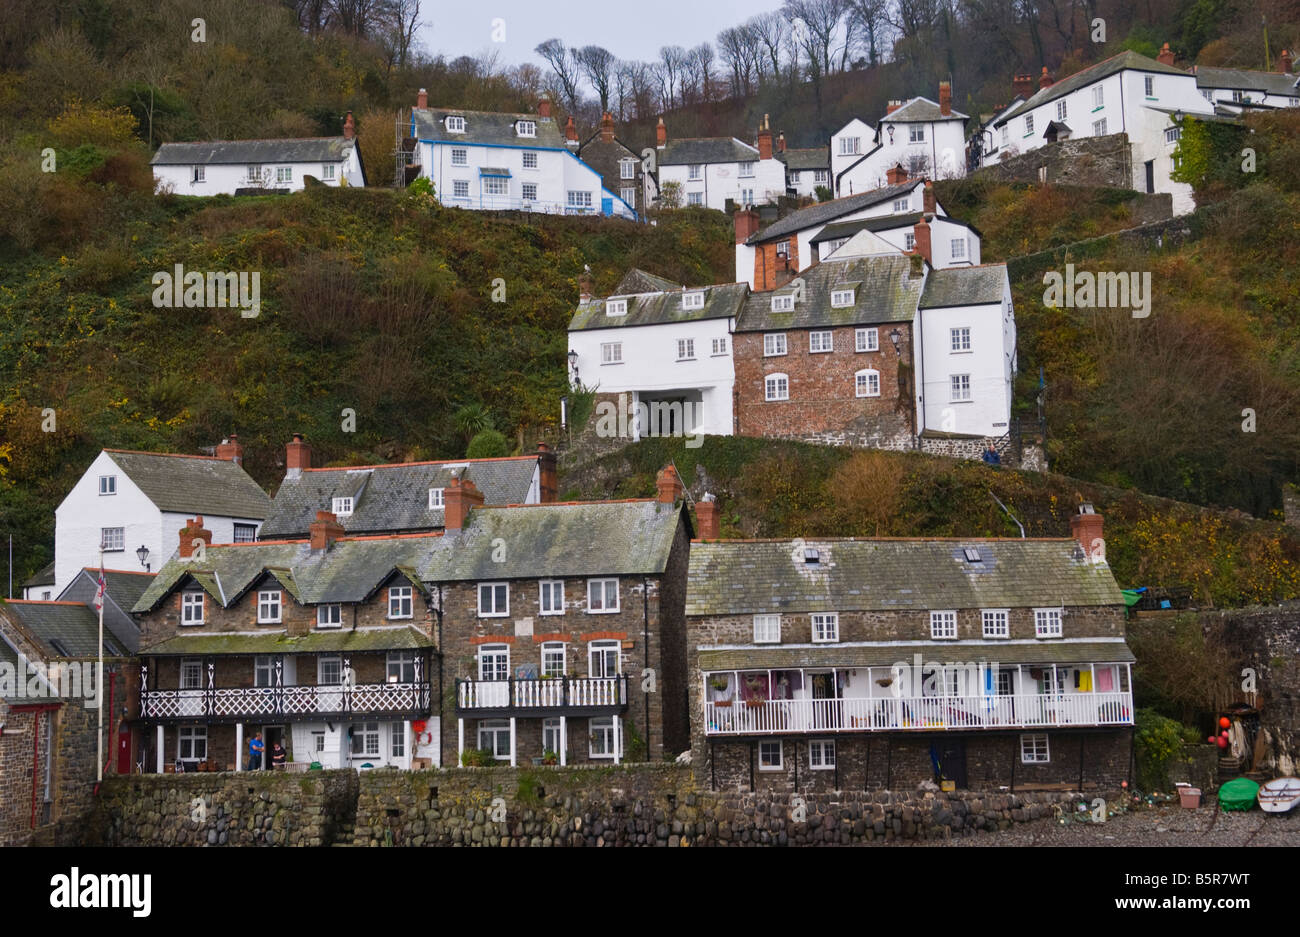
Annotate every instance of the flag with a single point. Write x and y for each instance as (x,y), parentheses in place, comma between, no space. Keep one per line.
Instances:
(99,593)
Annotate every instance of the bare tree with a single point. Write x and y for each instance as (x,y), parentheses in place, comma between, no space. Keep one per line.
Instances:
(818,21)
(698,70)
(406,23)
(870,20)
(641,88)
(770,32)
(360,18)
(733,50)
(564,66)
(672,60)
(597,64)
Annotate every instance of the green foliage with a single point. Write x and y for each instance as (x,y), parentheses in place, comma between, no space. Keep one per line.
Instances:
(489,444)
(582,400)
(477,758)
(823,193)
(634,746)
(472,419)
(1157,741)
(528,792)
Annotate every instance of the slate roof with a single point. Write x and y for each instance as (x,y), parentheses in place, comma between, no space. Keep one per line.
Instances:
(920,110)
(1242,79)
(401,638)
(885,655)
(612,538)
(637,280)
(42,577)
(844,229)
(487,127)
(965,286)
(817,157)
(194,484)
(7,654)
(751,577)
(349,571)
(1111,66)
(824,212)
(693,150)
(303,150)
(66,629)
(124,589)
(390,498)
(661,308)
(885,291)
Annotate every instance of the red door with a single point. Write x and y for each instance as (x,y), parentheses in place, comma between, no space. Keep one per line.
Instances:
(123,749)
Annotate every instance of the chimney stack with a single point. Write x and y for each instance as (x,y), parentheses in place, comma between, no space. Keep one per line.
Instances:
(229,450)
(457,499)
(1045,80)
(669,485)
(586,289)
(1022,86)
(1284,62)
(349,127)
(927,199)
(746,224)
(661,134)
(921,236)
(893,106)
(193,530)
(780,142)
(297,456)
(422,100)
(1166,55)
(546,474)
(706,518)
(1086,526)
(945,98)
(764,140)
(570,132)
(544,107)
(607,127)
(895,174)
(324,531)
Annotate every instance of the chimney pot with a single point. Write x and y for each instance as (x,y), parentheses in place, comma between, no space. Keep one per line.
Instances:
(921,236)
(349,127)
(945,98)
(1045,80)
(457,499)
(746,221)
(544,107)
(1166,55)
(607,127)
(896,174)
(297,456)
(570,132)
(193,530)
(893,106)
(586,289)
(927,199)
(1022,85)
(661,134)
(546,474)
(669,485)
(1284,62)
(422,100)
(780,142)
(1087,527)
(229,450)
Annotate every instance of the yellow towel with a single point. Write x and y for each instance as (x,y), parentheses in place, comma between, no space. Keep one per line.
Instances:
(1085,681)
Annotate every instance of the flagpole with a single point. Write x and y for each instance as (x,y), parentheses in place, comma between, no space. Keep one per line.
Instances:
(99,678)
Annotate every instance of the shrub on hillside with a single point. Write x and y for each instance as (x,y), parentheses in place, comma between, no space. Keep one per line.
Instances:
(488,444)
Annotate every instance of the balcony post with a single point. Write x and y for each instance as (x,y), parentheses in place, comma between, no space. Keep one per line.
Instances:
(460,741)
(564,692)
(512,741)
(278,698)
(161,741)
(239,746)
(210,702)
(564,740)
(348,680)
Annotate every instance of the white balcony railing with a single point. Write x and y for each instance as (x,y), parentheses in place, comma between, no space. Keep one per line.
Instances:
(231,703)
(556,693)
(775,717)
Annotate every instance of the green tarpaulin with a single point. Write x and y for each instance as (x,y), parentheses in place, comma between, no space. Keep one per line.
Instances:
(1238,794)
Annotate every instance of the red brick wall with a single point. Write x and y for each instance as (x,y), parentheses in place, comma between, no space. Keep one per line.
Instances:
(771,271)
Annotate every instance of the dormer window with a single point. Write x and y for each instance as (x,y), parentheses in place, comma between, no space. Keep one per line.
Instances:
(841,298)
(812,556)
(693,300)
(526,128)
(616,307)
(783,303)
(435,499)
(341,507)
(455,124)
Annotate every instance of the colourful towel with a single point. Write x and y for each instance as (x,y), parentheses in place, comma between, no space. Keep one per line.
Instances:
(1105,680)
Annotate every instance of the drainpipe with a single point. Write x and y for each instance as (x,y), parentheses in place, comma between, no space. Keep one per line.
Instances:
(645,640)
(440,691)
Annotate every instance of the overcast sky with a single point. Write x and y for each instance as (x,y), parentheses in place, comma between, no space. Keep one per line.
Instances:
(629,30)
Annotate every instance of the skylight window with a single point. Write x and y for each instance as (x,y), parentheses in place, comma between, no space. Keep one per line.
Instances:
(972,555)
(812,555)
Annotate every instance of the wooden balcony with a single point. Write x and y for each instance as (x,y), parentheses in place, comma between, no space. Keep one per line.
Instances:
(287,703)
(920,714)
(568,696)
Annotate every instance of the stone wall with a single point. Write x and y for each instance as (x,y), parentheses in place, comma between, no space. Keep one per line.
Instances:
(1091,161)
(224,809)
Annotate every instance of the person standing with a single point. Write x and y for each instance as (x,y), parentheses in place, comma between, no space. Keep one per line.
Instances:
(991,456)
(255,749)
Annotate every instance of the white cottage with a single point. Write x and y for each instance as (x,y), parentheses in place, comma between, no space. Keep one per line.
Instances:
(1240,89)
(712,171)
(924,137)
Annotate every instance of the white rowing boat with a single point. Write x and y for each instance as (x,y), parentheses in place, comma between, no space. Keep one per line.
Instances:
(1279,795)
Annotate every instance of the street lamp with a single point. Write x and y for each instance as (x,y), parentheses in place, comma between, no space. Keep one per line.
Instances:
(897,337)
(143,555)
(573,365)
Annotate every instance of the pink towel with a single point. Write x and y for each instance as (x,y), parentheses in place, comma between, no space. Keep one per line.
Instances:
(1104,680)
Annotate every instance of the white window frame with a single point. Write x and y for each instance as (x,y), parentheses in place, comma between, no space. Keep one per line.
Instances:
(113,539)
(616,307)
(548,591)
(1048,622)
(437,498)
(783,303)
(611,353)
(943,625)
(821,342)
(774,345)
(767,748)
(578,198)
(601,655)
(526,128)
(192,607)
(253,172)
(528,191)
(850,146)
(403,598)
(1098,96)
(554,652)
(454,124)
(627,168)
(283,174)
(862,381)
(270,607)
(767,629)
(719,346)
(866,339)
(628,195)
(1149,85)
(327,666)
(191,673)
(459,156)
(825,627)
(602,730)
(194,736)
(263,671)
(551,735)
(996,622)
(493,662)
(1099,128)
(1029,124)
(958,247)
(916,133)
(1035,749)
(685,349)
(496,186)
(341,507)
(1172,134)
(695,172)
(1061,109)
(249,532)
(329,616)
(602,606)
(199,174)
(902,205)
(959,339)
(399,664)
(496,591)
(327,171)
(909,241)
(460,188)
(776,386)
(820,175)
(397,740)
(746,170)
(694,198)
(528,159)
(959,388)
(107,485)
(693,299)
(842,299)
(821,754)
(492,734)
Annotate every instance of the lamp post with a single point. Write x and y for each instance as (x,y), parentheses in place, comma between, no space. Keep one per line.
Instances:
(143,555)
(573,367)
